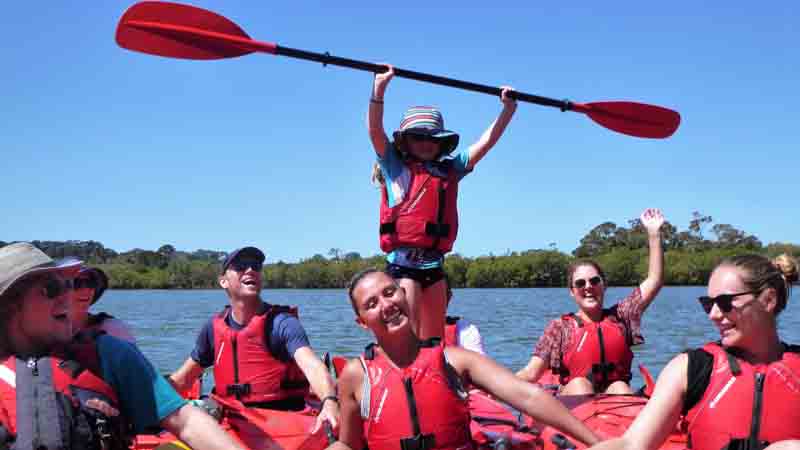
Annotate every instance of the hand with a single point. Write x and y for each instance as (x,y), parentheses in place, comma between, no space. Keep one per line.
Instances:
(508,101)
(330,414)
(103,407)
(652,219)
(382,81)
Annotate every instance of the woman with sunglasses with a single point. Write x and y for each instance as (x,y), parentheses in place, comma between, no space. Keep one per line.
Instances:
(90,284)
(590,350)
(419,172)
(405,393)
(741,392)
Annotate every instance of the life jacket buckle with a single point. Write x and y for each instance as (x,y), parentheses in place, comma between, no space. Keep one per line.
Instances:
(418,442)
(238,390)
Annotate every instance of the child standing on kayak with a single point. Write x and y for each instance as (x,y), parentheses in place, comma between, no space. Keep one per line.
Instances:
(419,172)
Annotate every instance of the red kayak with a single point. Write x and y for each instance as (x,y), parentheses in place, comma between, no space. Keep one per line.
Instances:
(253,428)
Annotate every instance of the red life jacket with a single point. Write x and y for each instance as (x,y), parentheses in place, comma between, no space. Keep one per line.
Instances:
(599,351)
(415,408)
(245,368)
(450,331)
(42,401)
(427,217)
(745,405)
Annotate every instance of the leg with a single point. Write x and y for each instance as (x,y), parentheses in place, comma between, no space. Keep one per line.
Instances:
(413,297)
(432,308)
(619,387)
(578,386)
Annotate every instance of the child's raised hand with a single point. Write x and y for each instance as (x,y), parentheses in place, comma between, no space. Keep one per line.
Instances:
(382,81)
(507,100)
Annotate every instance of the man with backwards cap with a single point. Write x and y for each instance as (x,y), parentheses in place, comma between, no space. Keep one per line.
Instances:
(260,352)
(87,392)
(90,284)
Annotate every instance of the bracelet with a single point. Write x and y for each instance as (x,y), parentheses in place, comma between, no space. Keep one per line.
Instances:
(329,397)
(375,100)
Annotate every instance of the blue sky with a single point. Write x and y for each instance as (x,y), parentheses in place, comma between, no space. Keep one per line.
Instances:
(134,150)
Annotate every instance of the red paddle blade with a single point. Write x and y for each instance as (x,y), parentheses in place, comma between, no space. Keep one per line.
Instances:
(183,31)
(631,118)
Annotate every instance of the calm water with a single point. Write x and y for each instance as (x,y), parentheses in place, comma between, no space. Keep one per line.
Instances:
(510,320)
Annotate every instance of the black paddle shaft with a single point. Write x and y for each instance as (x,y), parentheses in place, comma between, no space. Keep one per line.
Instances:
(326,58)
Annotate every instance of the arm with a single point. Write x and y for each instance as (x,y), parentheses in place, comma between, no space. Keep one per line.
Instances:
(321,383)
(652,219)
(490,137)
(197,429)
(534,370)
(183,378)
(375,115)
(351,430)
(526,397)
(660,414)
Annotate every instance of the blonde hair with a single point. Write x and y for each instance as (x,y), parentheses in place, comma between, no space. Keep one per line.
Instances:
(377,176)
(759,273)
(788,266)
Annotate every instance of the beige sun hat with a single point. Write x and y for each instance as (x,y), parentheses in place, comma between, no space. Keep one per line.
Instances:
(23,259)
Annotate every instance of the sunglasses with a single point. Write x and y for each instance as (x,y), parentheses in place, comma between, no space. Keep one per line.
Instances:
(724,301)
(54,288)
(420,137)
(594,281)
(241,266)
(81,283)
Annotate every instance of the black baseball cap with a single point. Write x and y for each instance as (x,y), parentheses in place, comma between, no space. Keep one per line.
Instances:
(244,252)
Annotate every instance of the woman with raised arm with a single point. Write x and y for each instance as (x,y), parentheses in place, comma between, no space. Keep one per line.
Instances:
(590,350)
(741,392)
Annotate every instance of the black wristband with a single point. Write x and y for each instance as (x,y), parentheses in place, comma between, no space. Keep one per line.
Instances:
(329,397)
(375,100)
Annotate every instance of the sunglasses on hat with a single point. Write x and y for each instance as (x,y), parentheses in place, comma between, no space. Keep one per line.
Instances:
(594,281)
(242,265)
(54,288)
(724,301)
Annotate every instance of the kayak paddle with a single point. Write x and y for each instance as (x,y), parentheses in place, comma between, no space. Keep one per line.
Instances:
(183,31)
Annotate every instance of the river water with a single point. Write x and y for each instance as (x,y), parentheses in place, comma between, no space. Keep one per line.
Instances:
(166,322)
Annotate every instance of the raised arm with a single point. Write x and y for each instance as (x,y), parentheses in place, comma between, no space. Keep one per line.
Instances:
(526,397)
(490,137)
(321,383)
(660,414)
(652,219)
(375,115)
(351,435)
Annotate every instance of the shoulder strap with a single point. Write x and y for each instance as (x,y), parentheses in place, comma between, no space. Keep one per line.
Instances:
(431,342)
(369,351)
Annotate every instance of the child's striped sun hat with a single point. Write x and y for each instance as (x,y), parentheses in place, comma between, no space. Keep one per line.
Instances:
(427,121)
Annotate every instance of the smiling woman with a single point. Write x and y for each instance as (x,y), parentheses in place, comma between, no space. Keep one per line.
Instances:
(407,393)
(589,351)
(724,389)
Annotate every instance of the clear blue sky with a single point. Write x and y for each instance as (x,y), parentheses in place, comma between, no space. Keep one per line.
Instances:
(134,150)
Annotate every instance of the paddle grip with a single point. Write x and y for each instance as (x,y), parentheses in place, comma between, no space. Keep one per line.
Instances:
(327,58)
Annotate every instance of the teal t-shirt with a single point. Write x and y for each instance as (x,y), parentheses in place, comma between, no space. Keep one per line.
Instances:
(145,397)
